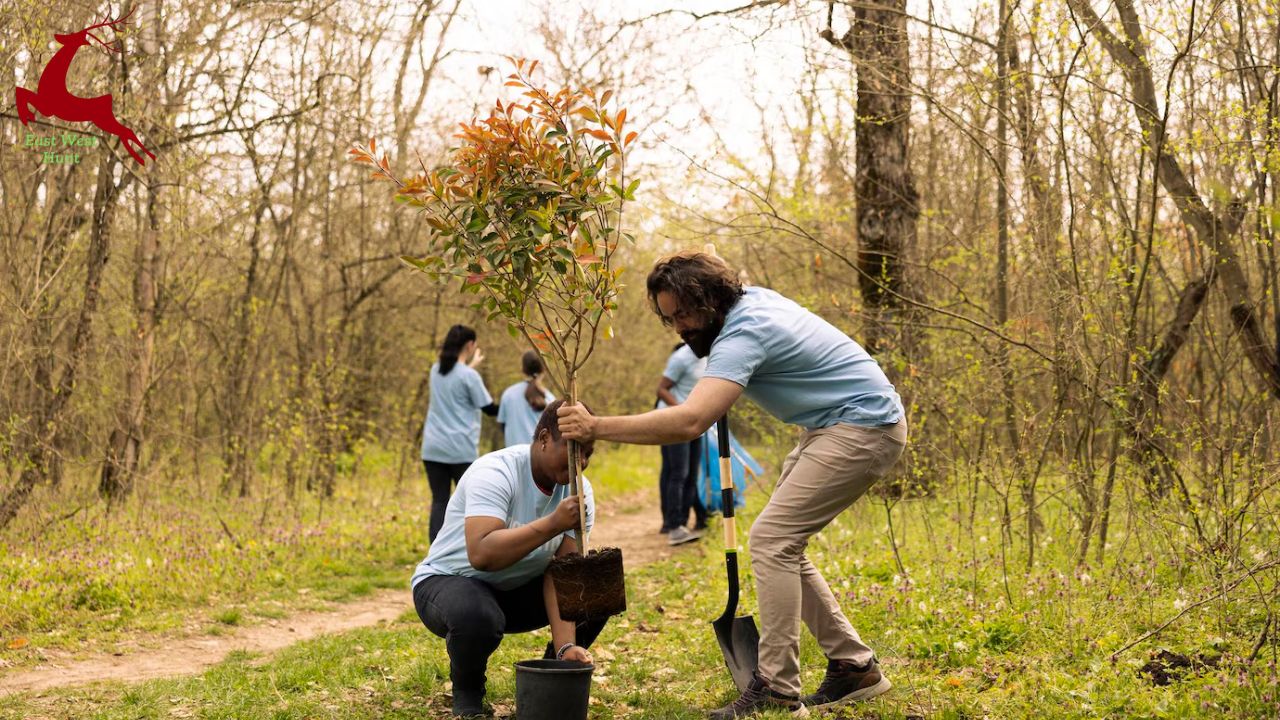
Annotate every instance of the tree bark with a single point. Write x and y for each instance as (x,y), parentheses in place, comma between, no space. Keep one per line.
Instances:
(124,447)
(884,188)
(239,377)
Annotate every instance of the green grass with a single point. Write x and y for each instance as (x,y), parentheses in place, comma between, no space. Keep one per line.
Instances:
(229,617)
(968,632)
(621,470)
(164,564)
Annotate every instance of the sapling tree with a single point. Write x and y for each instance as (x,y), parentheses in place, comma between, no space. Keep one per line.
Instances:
(527,213)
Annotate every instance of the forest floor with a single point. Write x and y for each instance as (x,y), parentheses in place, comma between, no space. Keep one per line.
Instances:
(149,656)
(962,626)
(628,523)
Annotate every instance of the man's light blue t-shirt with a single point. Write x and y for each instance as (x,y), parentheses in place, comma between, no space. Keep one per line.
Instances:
(498,485)
(517,417)
(685,370)
(451,433)
(799,367)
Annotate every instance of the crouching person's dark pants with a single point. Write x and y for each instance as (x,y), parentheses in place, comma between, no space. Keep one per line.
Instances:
(472,616)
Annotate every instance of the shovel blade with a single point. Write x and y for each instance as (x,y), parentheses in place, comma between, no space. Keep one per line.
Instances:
(740,644)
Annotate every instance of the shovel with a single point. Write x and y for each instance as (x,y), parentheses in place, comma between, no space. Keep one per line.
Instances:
(738,637)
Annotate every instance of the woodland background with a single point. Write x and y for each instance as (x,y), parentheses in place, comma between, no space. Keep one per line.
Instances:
(1052,223)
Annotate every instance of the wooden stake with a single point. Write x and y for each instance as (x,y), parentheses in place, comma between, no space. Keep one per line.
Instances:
(575,468)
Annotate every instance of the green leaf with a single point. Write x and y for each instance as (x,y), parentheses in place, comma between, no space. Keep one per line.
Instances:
(477,222)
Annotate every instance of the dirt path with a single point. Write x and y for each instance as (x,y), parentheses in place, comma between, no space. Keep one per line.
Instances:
(192,655)
(630,523)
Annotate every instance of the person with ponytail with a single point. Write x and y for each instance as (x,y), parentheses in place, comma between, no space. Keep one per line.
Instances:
(451,433)
(522,404)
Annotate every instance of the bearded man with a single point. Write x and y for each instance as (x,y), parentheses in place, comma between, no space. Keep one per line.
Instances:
(805,372)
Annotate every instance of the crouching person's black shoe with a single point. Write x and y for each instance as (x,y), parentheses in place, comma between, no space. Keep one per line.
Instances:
(469,703)
(758,698)
(484,710)
(846,682)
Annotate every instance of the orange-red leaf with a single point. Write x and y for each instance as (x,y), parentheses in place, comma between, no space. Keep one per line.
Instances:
(630,136)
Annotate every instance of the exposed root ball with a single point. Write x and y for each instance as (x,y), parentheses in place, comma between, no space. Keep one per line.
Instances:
(590,587)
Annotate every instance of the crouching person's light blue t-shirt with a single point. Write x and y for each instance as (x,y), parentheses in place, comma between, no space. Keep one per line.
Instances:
(800,368)
(498,485)
(518,418)
(451,433)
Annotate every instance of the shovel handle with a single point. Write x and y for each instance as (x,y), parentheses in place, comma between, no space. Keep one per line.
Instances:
(726,485)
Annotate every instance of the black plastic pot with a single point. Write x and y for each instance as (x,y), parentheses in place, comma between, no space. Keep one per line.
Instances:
(552,690)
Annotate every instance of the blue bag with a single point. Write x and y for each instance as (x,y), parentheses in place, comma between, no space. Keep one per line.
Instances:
(741,463)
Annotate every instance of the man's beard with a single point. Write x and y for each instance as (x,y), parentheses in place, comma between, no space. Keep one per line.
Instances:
(700,340)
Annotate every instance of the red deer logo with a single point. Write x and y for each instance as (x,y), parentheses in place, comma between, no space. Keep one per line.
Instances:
(52,99)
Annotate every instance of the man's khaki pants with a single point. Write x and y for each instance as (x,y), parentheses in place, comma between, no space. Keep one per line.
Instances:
(826,472)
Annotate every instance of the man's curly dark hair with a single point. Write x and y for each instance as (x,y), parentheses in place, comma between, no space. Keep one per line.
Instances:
(701,283)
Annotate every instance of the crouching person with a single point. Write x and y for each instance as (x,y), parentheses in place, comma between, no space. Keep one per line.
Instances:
(485,575)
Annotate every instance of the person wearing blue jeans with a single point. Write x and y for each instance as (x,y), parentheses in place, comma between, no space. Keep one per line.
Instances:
(678,480)
(485,575)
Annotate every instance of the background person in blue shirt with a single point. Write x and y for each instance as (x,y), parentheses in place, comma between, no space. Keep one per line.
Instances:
(451,432)
(485,576)
(522,404)
(678,481)
(806,372)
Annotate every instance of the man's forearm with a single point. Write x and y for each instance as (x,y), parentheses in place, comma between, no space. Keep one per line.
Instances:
(656,427)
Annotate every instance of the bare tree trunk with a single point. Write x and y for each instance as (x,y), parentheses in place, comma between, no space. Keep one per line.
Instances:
(1027,482)
(239,381)
(124,447)
(884,189)
(1002,220)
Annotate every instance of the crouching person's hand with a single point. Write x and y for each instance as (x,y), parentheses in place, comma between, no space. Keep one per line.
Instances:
(579,654)
(566,515)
